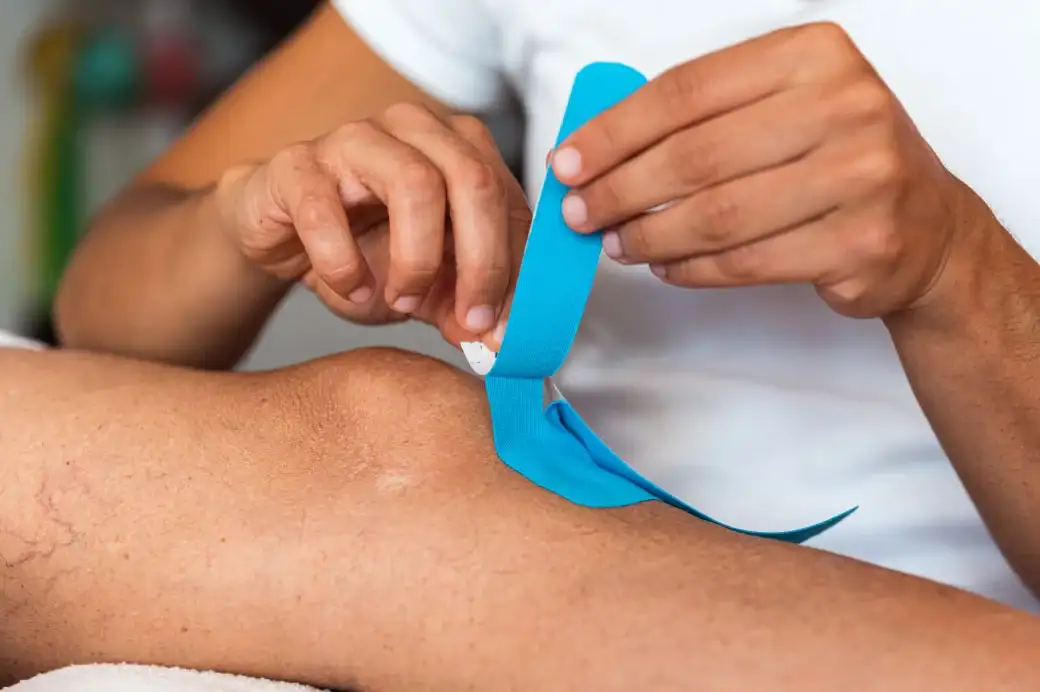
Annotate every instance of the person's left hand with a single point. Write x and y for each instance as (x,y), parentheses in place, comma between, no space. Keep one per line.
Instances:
(784,159)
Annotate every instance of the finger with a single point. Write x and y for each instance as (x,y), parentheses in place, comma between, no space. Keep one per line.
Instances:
(439,309)
(478,209)
(732,214)
(519,215)
(808,253)
(700,89)
(310,197)
(771,132)
(375,311)
(413,190)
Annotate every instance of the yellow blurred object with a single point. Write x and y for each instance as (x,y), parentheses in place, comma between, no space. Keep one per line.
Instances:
(49,68)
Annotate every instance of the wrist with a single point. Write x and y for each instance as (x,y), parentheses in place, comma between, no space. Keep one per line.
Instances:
(971,276)
(214,217)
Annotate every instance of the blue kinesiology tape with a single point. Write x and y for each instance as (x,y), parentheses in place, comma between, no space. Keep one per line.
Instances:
(551,445)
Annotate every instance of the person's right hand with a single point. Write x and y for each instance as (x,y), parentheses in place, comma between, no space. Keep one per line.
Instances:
(403,215)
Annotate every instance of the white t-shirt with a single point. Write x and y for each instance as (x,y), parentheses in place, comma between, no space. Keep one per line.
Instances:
(760,406)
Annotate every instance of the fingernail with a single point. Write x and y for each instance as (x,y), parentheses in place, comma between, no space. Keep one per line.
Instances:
(499,334)
(480,319)
(407,304)
(360,295)
(575,213)
(658,270)
(612,245)
(566,162)
(548,158)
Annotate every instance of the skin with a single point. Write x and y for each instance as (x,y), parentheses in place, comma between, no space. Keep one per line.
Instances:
(281,525)
(787,159)
(157,277)
(347,192)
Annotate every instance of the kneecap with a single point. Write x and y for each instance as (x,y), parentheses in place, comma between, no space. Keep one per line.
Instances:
(406,419)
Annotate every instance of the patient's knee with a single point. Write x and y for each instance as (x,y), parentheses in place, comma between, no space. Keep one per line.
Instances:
(406,419)
(399,391)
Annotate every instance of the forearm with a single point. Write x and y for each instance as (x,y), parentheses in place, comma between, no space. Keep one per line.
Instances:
(345,523)
(154,277)
(157,277)
(973,358)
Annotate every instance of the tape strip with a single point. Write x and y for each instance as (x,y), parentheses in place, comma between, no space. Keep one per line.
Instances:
(552,446)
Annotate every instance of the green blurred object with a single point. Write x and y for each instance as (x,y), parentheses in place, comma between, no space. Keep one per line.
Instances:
(107,71)
(53,190)
(63,200)
(76,74)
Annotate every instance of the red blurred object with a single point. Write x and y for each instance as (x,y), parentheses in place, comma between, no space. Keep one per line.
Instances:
(172,70)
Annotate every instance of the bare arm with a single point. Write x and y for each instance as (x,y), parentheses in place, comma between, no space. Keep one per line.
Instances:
(156,276)
(972,353)
(279,524)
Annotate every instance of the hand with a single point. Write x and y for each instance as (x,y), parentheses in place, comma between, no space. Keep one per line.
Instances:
(782,159)
(404,215)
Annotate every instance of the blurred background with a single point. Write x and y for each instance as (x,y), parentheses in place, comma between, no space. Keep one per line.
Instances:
(90,91)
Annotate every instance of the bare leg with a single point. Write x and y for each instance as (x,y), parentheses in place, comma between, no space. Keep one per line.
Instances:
(345,523)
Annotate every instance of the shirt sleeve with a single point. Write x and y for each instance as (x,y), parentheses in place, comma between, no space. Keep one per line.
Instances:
(449,48)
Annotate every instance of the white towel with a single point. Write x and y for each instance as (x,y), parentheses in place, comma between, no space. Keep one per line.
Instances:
(128,678)
(9,340)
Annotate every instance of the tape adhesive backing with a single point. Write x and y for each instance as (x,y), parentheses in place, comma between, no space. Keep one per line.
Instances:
(550,444)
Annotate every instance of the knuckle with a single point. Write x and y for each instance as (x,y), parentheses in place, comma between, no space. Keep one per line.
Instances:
(480,177)
(681,87)
(742,264)
(830,48)
(417,268)
(605,193)
(880,167)
(293,157)
(697,162)
(827,36)
(635,239)
(682,273)
(407,113)
(416,176)
(343,273)
(478,256)
(603,131)
(471,127)
(721,216)
(865,97)
(494,275)
(313,211)
(352,131)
